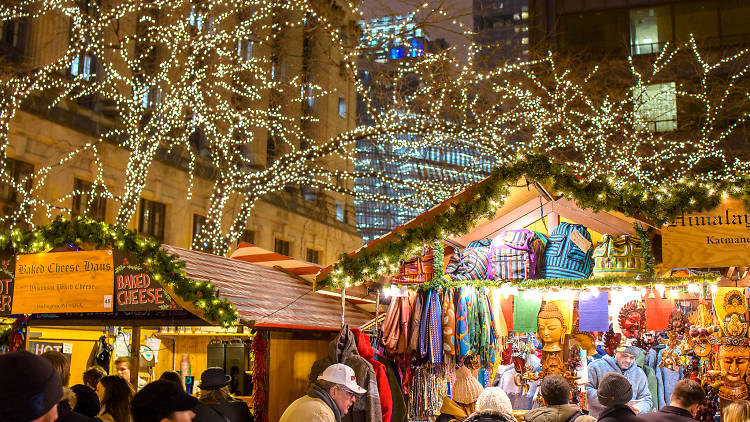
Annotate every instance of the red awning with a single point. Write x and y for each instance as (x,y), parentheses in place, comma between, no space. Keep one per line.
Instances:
(266,297)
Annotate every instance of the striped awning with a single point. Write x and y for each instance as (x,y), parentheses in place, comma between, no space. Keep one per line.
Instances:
(266,297)
(250,253)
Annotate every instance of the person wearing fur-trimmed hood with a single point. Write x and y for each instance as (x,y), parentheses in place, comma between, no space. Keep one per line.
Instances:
(493,405)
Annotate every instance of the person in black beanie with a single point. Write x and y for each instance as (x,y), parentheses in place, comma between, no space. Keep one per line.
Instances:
(29,388)
(614,393)
(162,401)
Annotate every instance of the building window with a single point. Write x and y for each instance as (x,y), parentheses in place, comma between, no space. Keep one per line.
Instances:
(21,174)
(281,246)
(83,66)
(87,201)
(198,222)
(151,219)
(650,29)
(13,38)
(656,107)
(247,236)
(339,211)
(342,106)
(313,255)
(150,98)
(245,49)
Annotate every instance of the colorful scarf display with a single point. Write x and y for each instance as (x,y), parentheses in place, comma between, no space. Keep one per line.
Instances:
(431,330)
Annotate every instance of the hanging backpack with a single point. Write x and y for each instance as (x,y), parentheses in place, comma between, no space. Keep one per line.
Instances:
(618,256)
(565,256)
(417,270)
(516,255)
(470,263)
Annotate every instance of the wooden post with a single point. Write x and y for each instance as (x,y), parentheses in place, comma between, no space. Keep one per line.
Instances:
(343,306)
(135,355)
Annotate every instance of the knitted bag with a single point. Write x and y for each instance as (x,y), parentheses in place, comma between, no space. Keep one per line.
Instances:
(470,263)
(563,258)
(516,255)
(618,256)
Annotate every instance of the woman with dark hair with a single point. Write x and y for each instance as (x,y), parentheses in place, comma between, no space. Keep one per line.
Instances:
(216,404)
(65,412)
(116,399)
(174,377)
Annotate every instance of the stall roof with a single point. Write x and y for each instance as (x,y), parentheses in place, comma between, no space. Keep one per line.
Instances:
(526,203)
(266,297)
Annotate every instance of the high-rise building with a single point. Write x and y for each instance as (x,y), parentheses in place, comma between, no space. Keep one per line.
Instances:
(501,30)
(392,40)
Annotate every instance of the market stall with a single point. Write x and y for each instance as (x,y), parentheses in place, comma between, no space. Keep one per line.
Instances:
(536,271)
(95,292)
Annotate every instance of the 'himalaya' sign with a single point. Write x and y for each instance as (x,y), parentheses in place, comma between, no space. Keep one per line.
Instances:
(715,238)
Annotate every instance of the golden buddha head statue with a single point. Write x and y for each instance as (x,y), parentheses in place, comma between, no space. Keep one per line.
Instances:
(551,327)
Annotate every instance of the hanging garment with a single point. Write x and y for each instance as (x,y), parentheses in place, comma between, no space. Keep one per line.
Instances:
(448,313)
(384,390)
(397,391)
(431,333)
(489,335)
(343,349)
(415,325)
(466,322)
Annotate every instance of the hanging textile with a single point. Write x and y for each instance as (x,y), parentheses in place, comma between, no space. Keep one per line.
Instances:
(593,312)
(426,391)
(657,313)
(415,325)
(486,321)
(449,327)
(525,310)
(466,322)
(431,330)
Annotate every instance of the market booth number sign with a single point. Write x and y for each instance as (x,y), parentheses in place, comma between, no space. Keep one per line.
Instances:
(83,281)
(715,238)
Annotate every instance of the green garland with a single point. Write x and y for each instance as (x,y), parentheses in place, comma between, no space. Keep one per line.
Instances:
(648,258)
(439,256)
(655,204)
(164,268)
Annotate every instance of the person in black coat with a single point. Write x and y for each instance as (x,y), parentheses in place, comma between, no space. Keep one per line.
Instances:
(686,397)
(216,404)
(614,392)
(87,400)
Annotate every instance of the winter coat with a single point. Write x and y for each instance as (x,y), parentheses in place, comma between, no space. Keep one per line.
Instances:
(451,411)
(650,377)
(668,414)
(87,402)
(666,380)
(490,416)
(397,393)
(308,409)
(65,407)
(234,411)
(559,413)
(618,413)
(343,349)
(598,368)
(384,389)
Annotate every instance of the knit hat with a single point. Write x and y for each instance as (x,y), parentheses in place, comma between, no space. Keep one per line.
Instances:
(30,387)
(466,389)
(493,400)
(629,347)
(614,389)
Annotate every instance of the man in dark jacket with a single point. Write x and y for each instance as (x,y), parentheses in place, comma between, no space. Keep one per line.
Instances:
(614,393)
(686,397)
(555,391)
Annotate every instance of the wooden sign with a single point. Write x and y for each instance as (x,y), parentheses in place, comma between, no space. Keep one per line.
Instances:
(7,267)
(136,289)
(715,238)
(63,282)
(39,347)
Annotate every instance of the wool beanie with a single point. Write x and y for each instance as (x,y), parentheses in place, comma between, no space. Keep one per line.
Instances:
(466,389)
(30,387)
(614,389)
(493,400)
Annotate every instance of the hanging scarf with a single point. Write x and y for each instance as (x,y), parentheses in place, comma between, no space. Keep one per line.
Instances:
(449,327)
(426,391)
(416,323)
(431,336)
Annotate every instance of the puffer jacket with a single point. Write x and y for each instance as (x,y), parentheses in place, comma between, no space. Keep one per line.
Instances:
(558,413)
(641,394)
(308,409)
(490,417)
(343,349)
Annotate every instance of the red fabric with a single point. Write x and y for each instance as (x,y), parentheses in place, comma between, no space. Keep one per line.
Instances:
(384,388)
(506,304)
(657,313)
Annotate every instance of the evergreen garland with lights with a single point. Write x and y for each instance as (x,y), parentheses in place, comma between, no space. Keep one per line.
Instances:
(657,205)
(166,269)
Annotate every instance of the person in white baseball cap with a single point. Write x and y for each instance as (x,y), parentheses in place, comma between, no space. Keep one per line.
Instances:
(329,399)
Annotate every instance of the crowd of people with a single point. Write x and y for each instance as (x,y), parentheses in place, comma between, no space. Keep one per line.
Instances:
(35,389)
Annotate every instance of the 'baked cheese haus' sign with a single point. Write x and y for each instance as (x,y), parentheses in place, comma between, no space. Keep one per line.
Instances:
(715,238)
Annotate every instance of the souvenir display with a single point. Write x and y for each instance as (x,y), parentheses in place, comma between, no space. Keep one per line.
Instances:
(618,256)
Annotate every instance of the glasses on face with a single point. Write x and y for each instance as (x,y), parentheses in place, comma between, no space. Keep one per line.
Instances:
(348,391)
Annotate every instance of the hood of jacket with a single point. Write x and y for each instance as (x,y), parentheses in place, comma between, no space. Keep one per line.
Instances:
(559,413)
(343,346)
(616,368)
(454,409)
(490,416)
(363,344)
